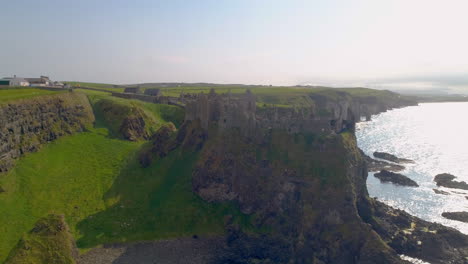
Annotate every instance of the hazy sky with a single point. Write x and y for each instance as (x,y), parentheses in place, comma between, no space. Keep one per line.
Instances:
(377,43)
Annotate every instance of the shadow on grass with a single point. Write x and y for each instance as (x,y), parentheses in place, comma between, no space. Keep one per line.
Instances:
(155,203)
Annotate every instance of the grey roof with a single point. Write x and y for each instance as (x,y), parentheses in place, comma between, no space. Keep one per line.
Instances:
(14,79)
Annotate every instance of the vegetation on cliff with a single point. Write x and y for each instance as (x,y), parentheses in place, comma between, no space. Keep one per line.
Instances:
(27,124)
(277,194)
(132,119)
(48,242)
(9,95)
(96,181)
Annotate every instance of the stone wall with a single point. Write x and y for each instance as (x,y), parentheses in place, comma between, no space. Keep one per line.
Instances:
(27,124)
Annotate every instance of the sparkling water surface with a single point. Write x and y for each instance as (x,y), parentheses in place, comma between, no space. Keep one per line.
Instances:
(435,136)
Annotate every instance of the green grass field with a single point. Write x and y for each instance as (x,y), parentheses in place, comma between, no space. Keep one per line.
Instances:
(96,181)
(69,176)
(7,95)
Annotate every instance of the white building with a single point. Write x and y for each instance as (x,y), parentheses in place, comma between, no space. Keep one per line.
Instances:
(16,81)
(19,82)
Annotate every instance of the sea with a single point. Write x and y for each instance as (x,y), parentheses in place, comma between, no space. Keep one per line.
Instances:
(435,136)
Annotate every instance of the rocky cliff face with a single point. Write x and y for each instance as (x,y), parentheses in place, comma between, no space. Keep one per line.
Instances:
(302,183)
(27,124)
(325,113)
(307,190)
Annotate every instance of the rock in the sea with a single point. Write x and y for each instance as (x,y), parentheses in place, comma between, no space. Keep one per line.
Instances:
(414,237)
(390,157)
(374,165)
(457,216)
(447,180)
(441,192)
(396,178)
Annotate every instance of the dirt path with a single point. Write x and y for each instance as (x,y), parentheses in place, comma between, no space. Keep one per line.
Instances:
(173,251)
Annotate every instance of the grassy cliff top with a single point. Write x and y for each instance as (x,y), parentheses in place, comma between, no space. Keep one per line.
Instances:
(283,96)
(8,95)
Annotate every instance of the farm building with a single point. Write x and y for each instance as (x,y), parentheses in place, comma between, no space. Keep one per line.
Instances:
(132,90)
(42,81)
(153,92)
(4,82)
(14,81)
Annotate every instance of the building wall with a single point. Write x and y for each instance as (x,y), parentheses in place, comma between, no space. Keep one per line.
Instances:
(19,83)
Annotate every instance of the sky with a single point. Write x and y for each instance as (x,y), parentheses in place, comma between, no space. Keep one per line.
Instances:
(401,44)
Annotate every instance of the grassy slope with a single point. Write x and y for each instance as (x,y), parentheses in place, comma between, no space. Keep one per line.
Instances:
(48,242)
(68,176)
(156,114)
(7,95)
(97,183)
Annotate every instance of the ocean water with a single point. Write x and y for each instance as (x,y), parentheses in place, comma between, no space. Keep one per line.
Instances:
(435,136)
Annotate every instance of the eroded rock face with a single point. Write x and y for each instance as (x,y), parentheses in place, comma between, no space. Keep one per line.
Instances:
(323,113)
(396,178)
(294,186)
(447,180)
(457,216)
(27,124)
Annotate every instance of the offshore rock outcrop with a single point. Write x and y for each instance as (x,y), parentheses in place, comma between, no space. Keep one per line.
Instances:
(391,157)
(447,180)
(457,216)
(27,124)
(374,165)
(396,178)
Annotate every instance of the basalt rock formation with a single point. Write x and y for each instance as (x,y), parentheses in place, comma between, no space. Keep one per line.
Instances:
(297,172)
(325,114)
(27,124)
(417,238)
(374,165)
(447,180)
(457,216)
(396,178)
(391,157)
(300,176)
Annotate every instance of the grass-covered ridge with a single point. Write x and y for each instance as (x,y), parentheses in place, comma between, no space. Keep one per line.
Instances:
(280,96)
(9,95)
(48,242)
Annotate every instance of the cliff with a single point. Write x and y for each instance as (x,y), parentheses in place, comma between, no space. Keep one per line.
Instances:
(301,178)
(27,124)
(330,111)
